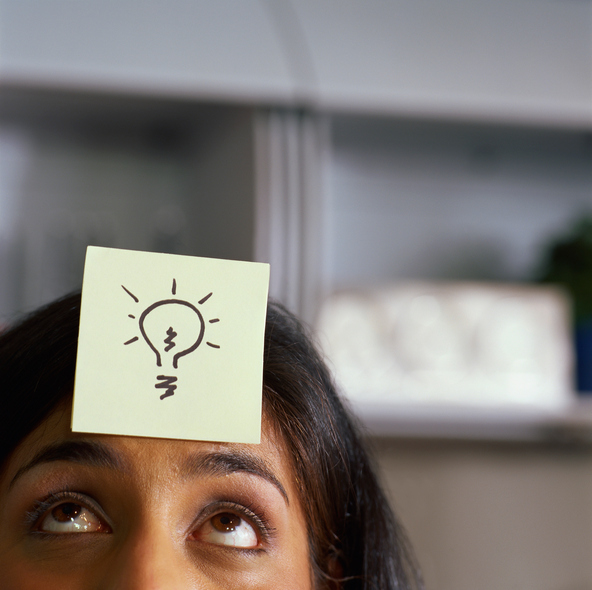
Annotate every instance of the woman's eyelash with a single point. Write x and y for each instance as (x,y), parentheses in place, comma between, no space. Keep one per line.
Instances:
(41,507)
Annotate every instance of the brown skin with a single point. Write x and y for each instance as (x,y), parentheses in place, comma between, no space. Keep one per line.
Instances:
(157,513)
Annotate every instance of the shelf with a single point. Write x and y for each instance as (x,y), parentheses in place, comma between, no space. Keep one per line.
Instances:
(520,62)
(201,50)
(569,424)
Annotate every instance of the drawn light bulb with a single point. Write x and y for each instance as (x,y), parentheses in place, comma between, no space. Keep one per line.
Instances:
(172,326)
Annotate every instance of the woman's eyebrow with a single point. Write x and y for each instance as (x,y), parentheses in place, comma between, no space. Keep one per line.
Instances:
(86,452)
(217,464)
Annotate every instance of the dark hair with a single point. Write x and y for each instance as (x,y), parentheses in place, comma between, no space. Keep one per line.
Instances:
(355,542)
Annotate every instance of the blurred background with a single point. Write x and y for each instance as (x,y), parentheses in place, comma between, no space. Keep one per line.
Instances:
(352,144)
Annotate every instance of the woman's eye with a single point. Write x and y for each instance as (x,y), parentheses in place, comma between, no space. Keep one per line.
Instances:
(227,528)
(71,517)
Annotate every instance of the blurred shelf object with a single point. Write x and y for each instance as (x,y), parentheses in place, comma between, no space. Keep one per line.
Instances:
(482,344)
(460,360)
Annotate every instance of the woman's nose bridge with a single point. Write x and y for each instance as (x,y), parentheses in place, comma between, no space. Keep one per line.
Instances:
(151,557)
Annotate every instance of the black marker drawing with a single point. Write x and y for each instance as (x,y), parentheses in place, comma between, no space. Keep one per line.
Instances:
(153,340)
(171,325)
(170,339)
(131,294)
(202,301)
(168,384)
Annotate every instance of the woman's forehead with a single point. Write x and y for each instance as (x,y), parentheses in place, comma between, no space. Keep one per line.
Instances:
(53,440)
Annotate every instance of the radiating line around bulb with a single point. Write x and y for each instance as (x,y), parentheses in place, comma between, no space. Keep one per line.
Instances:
(130,294)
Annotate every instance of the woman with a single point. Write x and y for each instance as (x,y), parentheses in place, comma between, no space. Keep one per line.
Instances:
(300,510)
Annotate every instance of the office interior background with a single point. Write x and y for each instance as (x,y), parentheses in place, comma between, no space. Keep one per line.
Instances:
(352,144)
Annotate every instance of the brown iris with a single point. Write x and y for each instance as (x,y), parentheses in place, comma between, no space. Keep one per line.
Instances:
(226,522)
(66,512)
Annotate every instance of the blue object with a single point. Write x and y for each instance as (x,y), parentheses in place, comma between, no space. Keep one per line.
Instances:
(583,346)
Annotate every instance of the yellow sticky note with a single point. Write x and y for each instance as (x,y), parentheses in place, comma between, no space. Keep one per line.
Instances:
(170,346)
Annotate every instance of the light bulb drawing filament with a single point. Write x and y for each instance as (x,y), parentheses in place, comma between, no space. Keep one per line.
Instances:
(171,334)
